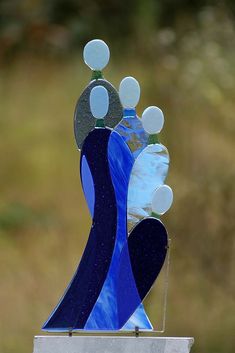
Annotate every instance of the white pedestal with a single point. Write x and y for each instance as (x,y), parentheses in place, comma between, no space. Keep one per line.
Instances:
(111,344)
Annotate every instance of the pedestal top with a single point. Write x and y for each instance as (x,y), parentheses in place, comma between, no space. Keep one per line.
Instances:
(111,344)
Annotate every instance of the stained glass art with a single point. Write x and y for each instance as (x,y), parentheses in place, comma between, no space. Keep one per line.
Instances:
(96,57)
(123,168)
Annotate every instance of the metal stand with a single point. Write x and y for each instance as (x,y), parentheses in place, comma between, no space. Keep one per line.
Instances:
(112,344)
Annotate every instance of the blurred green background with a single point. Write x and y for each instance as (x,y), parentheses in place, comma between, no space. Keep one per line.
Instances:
(183,54)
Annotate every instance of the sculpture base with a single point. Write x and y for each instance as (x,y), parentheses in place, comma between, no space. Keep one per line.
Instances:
(111,344)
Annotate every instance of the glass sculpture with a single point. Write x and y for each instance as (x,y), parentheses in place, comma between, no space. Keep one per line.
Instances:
(123,168)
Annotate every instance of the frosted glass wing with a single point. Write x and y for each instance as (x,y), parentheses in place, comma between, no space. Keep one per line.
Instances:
(149,171)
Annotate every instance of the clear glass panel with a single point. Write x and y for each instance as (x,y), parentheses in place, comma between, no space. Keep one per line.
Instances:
(156,301)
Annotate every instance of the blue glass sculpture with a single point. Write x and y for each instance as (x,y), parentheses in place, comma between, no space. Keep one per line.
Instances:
(122,171)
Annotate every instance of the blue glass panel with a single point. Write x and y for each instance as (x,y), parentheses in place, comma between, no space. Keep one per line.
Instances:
(147,248)
(138,319)
(149,171)
(88,185)
(84,122)
(75,306)
(131,130)
(104,315)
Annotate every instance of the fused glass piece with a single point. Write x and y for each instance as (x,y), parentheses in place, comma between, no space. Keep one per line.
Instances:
(138,319)
(147,248)
(75,306)
(99,102)
(87,185)
(152,120)
(162,199)
(104,315)
(96,54)
(84,122)
(149,171)
(132,132)
(129,92)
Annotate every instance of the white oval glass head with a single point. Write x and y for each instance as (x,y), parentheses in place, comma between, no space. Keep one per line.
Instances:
(162,199)
(152,120)
(96,54)
(129,92)
(99,102)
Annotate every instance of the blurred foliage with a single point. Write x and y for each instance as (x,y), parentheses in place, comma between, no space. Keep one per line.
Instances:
(183,55)
(59,26)
(15,217)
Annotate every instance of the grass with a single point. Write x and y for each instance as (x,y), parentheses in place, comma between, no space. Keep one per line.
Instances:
(44,221)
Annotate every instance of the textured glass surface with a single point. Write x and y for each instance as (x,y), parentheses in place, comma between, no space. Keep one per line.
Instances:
(147,248)
(131,130)
(84,122)
(75,306)
(149,171)
(88,185)
(104,315)
(138,319)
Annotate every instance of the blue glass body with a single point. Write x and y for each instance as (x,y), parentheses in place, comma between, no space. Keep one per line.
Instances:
(104,315)
(75,306)
(116,271)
